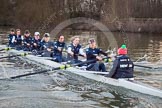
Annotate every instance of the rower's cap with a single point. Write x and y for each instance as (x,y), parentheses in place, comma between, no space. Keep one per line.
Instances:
(91,41)
(46,35)
(36,33)
(122,50)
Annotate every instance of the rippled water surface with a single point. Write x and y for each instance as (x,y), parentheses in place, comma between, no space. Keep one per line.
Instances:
(65,90)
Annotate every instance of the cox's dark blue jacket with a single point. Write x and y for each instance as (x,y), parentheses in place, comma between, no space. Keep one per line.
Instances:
(123,67)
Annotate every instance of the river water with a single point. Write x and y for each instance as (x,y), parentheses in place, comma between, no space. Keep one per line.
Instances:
(64,90)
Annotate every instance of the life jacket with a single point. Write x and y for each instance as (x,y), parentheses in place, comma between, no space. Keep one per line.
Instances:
(27,40)
(19,39)
(57,45)
(125,67)
(75,50)
(37,41)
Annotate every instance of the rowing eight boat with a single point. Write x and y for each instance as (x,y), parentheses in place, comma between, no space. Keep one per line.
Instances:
(132,85)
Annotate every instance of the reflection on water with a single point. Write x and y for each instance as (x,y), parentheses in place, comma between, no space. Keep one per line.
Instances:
(67,90)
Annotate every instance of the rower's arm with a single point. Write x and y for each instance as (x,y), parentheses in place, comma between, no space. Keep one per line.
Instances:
(13,39)
(90,55)
(69,51)
(24,42)
(102,52)
(51,46)
(65,47)
(55,46)
(43,46)
(22,37)
(114,68)
(81,52)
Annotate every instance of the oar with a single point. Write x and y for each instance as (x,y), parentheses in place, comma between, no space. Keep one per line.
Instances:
(7,49)
(93,72)
(57,68)
(38,72)
(22,54)
(84,62)
(149,67)
(105,59)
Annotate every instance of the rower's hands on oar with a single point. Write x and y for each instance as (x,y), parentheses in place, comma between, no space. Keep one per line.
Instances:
(59,49)
(28,44)
(105,59)
(35,44)
(71,53)
(99,58)
(48,49)
(84,55)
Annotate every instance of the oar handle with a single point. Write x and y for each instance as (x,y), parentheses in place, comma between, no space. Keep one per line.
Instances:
(107,59)
(74,54)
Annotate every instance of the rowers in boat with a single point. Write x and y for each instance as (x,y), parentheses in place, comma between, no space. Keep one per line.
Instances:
(19,40)
(59,47)
(36,42)
(27,42)
(12,38)
(92,53)
(74,50)
(46,46)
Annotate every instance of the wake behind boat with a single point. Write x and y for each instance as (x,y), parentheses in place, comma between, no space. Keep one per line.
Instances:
(131,85)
